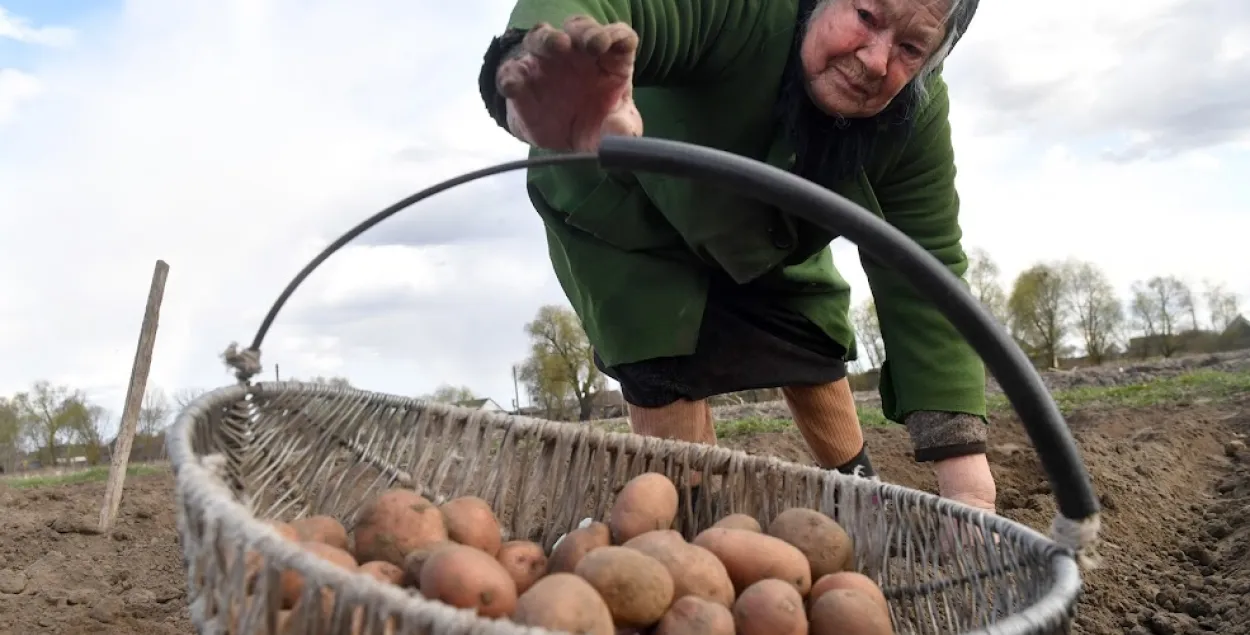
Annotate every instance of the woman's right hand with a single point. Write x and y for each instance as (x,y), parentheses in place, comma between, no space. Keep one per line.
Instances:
(567,88)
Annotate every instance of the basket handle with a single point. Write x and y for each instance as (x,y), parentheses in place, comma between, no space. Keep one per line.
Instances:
(1077,524)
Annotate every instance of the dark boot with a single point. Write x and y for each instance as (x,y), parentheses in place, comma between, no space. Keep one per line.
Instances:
(860,464)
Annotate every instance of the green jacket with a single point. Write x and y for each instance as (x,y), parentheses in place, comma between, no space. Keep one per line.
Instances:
(633,251)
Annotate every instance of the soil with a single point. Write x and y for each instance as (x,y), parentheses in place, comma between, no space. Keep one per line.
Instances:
(1174,482)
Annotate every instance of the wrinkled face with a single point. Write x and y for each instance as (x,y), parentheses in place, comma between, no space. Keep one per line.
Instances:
(858,54)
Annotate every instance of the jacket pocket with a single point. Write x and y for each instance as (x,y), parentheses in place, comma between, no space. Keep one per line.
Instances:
(621,214)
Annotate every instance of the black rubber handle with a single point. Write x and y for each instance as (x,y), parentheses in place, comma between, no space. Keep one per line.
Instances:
(1020,381)
(1074,493)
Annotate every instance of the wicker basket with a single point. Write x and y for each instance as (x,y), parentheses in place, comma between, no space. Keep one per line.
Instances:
(246,453)
(294,449)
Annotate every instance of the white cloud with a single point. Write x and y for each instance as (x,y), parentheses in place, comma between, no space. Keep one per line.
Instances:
(15,28)
(236,139)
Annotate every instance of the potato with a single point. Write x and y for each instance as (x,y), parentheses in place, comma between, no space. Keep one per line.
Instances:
(740,521)
(848,612)
(635,586)
(416,559)
(750,557)
(292,581)
(253,561)
(648,502)
(692,615)
(849,580)
(384,572)
(469,578)
(564,602)
(821,539)
(286,530)
(695,570)
(577,543)
(524,561)
(323,529)
(770,607)
(395,523)
(471,522)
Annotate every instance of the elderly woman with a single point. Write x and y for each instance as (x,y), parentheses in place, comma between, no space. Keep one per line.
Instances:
(687,291)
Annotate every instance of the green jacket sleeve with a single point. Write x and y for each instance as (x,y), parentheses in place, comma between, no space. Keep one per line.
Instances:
(929,364)
(678,39)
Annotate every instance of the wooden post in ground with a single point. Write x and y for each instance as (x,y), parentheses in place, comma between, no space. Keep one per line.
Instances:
(134,398)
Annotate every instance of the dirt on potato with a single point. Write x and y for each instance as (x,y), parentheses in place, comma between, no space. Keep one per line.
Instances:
(1175,484)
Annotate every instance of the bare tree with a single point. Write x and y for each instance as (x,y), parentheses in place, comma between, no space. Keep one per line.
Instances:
(1159,305)
(1188,301)
(1096,312)
(336,381)
(87,430)
(155,412)
(983,281)
(1222,305)
(868,333)
(1144,316)
(1038,313)
(184,396)
(446,393)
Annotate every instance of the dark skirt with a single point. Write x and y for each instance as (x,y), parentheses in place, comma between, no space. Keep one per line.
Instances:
(746,342)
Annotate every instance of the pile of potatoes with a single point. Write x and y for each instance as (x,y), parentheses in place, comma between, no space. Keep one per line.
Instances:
(632,575)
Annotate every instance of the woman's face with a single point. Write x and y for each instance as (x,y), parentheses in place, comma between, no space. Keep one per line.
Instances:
(858,54)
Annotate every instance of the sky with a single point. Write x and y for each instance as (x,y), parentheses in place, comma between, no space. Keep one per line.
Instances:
(234,139)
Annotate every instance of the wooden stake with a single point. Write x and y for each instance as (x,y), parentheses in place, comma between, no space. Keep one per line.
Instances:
(134,398)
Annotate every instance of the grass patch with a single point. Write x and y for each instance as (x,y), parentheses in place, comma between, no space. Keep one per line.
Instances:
(1199,385)
(89,475)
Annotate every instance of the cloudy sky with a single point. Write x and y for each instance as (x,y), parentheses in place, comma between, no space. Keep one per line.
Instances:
(235,138)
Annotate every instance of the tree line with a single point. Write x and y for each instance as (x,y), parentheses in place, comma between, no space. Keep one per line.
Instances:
(1055,310)
(1065,309)
(52,424)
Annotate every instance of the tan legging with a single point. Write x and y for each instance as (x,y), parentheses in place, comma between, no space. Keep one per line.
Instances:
(825,415)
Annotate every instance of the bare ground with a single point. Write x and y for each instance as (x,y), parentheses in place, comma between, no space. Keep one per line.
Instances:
(1175,483)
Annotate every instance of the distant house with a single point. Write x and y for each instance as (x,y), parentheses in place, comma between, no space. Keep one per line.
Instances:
(608,404)
(1237,335)
(486,404)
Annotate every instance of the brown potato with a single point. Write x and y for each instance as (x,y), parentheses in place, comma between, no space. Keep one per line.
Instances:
(471,522)
(848,612)
(292,581)
(577,543)
(286,530)
(750,557)
(770,607)
(692,615)
(821,539)
(323,529)
(648,502)
(395,523)
(416,559)
(384,572)
(469,578)
(524,561)
(852,580)
(740,521)
(695,570)
(253,560)
(564,602)
(635,586)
